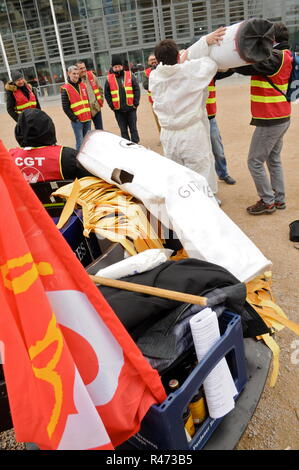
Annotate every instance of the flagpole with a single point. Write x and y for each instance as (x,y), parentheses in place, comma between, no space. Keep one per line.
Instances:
(5,57)
(156,291)
(58,40)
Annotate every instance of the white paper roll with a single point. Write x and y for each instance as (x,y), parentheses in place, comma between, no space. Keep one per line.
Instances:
(136,264)
(226,54)
(219,386)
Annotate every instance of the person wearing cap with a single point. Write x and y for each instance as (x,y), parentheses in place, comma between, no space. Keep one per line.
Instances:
(75,104)
(39,157)
(122,93)
(95,94)
(19,95)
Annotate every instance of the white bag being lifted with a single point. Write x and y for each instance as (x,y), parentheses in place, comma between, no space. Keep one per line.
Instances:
(177,196)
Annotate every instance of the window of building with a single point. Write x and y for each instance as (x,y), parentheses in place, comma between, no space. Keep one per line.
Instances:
(57,73)
(114,30)
(61,11)
(37,45)
(60,8)
(236,11)
(217,13)
(43,73)
(255,8)
(102,63)
(10,50)
(30,75)
(136,60)
(77,9)
(45,12)
(94,8)
(68,42)
(110,6)
(15,15)
(98,37)
(181,18)
(200,18)
(144,3)
(127,5)
(130,28)
(4,23)
(148,21)
(51,41)
(30,14)
(23,47)
(82,36)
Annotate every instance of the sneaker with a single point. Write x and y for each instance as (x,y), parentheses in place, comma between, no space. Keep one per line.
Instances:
(260,207)
(228,180)
(280,205)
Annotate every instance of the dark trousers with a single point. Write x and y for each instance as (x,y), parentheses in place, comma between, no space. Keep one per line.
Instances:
(97,121)
(128,120)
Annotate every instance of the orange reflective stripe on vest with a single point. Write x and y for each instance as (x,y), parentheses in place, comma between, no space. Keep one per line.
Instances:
(79,103)
(211,101)
(22,102)
(98,93)
(149,93)
(266,102)
(114,90)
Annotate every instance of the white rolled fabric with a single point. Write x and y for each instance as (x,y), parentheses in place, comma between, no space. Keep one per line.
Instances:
(226,54)
(136,264)
(219,386)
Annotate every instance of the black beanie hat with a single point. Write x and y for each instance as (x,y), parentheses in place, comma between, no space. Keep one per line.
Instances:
(15,75)
(116,60)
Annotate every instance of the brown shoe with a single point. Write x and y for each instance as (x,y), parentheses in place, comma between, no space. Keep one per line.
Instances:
(260,207)
(280,205)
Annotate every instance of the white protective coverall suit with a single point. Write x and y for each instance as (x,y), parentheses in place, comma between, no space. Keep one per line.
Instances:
(179,92)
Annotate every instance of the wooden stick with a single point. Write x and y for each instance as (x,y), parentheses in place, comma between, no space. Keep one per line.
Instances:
(156,291)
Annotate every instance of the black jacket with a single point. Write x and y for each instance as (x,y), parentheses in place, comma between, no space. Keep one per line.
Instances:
(138,312)
(10,88)
(66,105)
(122,95)
(36,129)
(281,46)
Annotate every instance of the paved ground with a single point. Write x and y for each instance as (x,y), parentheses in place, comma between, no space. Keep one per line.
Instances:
(275,424)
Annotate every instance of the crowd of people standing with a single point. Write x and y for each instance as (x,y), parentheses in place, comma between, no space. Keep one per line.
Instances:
(182,95)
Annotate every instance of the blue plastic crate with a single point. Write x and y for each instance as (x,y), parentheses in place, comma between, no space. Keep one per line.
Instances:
(163,427)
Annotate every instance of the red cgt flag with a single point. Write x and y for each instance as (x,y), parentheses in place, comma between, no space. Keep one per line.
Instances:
(75,378)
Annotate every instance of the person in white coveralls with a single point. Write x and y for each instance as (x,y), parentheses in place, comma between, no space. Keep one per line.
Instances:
(179,87)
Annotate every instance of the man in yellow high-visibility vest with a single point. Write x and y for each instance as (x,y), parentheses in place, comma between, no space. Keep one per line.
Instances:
(75,104)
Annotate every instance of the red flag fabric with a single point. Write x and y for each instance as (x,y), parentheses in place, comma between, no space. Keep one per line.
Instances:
(75,378)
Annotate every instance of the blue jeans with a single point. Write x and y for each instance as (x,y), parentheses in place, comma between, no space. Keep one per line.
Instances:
(97,121)
(80,130)
(218,150)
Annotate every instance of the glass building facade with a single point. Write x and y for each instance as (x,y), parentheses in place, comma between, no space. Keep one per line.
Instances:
(93,30)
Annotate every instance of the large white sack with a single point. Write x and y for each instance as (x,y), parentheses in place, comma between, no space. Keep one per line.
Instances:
(179,197)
